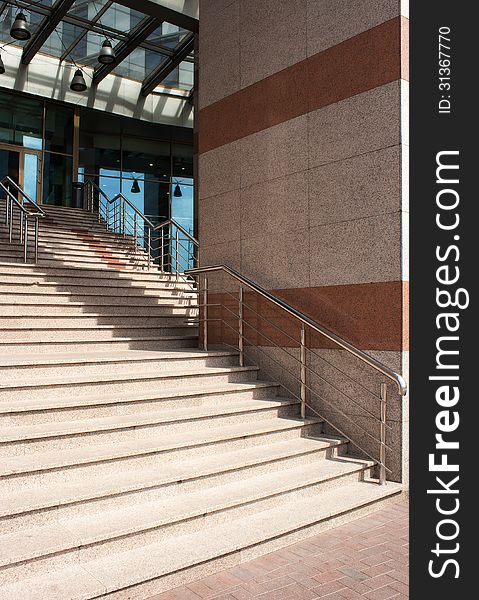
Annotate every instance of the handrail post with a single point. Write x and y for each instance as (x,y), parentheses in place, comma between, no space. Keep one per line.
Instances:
(240,327)
(303,370)
(36,240)
(136,229)
(149,248)
(10,227)
(205,314)
(382,450)
(162,250)
(25,238)
(177,241)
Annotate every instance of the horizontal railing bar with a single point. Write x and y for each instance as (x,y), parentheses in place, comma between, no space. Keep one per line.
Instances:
(308,349)
(376,460)
(398,379)
(307,387)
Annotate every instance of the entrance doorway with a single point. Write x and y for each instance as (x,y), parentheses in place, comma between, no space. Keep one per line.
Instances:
(24,166)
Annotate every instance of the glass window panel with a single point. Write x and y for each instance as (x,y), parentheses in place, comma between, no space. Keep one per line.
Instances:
(21,120)
(59,129)
(139,64)
(150,157)
(181,78)
(61,39)
(121,18)
(182,160)
(30,175)
(57,179)
(167,35)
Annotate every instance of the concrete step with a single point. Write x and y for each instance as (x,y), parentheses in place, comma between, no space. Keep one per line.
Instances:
(122,529)
(95,288)
(226,543)
(82,271)
(107,297)
(36,506)
(75,465)
(80,308)
(117,344)
(43,437)
(69,364)
(80,249)
(52,234)
(64,283)
(80,257)
(55,410)
(91,333)
(76,322)
(115,383)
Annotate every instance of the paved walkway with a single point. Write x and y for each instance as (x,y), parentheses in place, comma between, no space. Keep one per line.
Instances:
(366,559)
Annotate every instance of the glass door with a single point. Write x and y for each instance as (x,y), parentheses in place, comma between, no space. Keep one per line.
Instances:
(31,174)
(24,167)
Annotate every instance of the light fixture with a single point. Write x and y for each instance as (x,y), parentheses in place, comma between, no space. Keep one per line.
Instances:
(135,188)
(107,54)
(177,193)
(19,30)
(2,66)
(78,83)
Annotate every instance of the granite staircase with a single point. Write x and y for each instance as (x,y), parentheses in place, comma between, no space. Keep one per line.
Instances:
(131,461)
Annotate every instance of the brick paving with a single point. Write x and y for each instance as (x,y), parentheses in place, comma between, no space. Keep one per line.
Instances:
(366,559)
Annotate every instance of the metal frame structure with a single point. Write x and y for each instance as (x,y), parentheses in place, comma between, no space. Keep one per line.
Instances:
(123,49)
(155,15)
(47,27)
(167,66)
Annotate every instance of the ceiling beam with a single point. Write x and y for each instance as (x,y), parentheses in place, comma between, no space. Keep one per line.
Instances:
(163,13)
(123,49)
(168,65)
(46,28)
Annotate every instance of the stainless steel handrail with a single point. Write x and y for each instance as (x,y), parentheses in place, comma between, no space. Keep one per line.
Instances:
(305,321)
(180,228)
(133,223)
(398,379)
(28,209)
(118,197)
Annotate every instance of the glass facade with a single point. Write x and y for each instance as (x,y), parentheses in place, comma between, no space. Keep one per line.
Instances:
(79,37)
(151,164)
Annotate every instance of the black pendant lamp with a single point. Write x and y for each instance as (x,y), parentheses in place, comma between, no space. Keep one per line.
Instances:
(2,66)
(177,193)
(19,30)
(78,83)
(135,188)
(107,54)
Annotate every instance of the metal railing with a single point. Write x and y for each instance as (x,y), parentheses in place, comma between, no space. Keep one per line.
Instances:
(167,245)
(305,373)
(23,209)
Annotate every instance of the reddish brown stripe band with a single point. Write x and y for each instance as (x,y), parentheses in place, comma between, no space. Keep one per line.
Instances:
(371,316)
(364,62)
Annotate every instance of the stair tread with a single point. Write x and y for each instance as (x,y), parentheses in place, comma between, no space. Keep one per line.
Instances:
(40,461)
(114,377)
(42,403)
(107,524)
(36,498)
(64,428)
(73,358)
(172,554)
(90,342)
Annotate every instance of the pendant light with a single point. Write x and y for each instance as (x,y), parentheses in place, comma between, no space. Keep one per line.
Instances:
(19,30)
(78,83)
(107,54)
(135,188)
(2,66)
(177,193)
